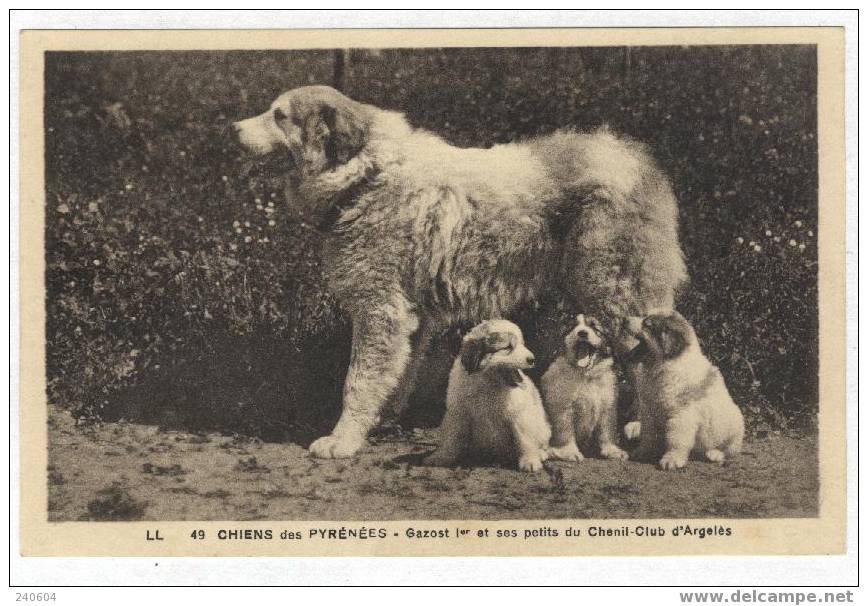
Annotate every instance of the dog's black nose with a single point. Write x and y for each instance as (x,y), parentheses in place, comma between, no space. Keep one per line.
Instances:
(531,360)
(582,334)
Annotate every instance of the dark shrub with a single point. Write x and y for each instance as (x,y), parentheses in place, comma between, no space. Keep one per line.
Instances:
(179,293)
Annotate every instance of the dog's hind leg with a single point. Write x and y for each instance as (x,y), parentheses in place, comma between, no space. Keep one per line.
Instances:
(381,350)
(454,436)
(421,346)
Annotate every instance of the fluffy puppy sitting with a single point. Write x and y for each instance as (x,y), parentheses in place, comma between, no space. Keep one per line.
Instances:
(580,395)
(685,406)
(493,409)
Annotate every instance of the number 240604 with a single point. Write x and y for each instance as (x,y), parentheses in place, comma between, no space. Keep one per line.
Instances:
(35,597)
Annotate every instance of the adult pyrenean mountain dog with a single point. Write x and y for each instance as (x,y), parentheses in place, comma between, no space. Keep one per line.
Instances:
(420,235)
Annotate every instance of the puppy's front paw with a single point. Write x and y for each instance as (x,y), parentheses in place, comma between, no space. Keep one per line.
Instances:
(673,460)
(610,451)
(633,430)
(715,456)
(439,458)
(568,452)
(336,446)
(532,461)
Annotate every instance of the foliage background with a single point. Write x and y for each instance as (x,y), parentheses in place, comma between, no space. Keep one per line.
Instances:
(179,292)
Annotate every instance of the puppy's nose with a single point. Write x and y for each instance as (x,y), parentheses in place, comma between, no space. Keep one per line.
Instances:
(531,360)
(582,334)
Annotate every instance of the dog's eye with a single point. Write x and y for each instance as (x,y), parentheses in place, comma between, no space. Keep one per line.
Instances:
(278,114)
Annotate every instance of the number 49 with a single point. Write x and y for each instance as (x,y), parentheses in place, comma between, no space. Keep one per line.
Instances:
(197,534)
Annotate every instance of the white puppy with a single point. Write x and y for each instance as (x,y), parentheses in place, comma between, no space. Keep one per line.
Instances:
(580,395)
(492,408)
(684,406)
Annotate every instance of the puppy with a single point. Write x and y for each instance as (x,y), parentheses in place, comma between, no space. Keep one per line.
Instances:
(580,395)
(492,408)
(684,404)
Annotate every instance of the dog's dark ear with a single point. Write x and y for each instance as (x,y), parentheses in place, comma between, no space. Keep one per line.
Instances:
(472,352)
(509,375)
(638,354)
(672,340)
(347,130)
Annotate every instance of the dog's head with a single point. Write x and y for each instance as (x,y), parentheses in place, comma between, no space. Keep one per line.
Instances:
(316,126)
(662,336)
(585,343)
(496,345)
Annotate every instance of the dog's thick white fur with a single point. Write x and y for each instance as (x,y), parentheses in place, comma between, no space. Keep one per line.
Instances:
(419,234)
(685,406)
(580,396)
(493,409)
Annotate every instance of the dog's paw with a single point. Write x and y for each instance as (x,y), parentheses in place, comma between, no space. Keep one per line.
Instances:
(610,451)
(673,460)
(570,452)
(439,459)
(531,461)
(633,430)
(715,456)
(336,447)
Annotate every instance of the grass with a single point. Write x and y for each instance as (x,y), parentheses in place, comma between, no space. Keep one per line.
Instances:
(180,292)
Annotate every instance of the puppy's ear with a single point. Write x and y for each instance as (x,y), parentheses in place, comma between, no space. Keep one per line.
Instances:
(638,354)
(672,340)
(509,376)
(472,352)
(346,130)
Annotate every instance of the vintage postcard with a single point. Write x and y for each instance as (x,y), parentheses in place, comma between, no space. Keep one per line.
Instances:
(432,292)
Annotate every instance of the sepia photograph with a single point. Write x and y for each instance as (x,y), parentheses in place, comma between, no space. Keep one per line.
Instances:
(506,292)
(271,276)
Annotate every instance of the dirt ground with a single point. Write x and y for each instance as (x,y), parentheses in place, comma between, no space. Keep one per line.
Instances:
(132,471)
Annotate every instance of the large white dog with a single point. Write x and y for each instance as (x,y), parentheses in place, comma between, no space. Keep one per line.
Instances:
(420,234)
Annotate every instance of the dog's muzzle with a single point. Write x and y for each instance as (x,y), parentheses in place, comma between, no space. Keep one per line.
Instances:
(585,353)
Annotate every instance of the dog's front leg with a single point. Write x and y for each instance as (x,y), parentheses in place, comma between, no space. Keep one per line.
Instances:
(681,431)
(381,348)
(563,444)
(531,453)
(606,435)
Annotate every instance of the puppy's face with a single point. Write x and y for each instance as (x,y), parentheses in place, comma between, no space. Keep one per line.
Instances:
(585,344)
(662,336)
(315,126)
(495,344)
